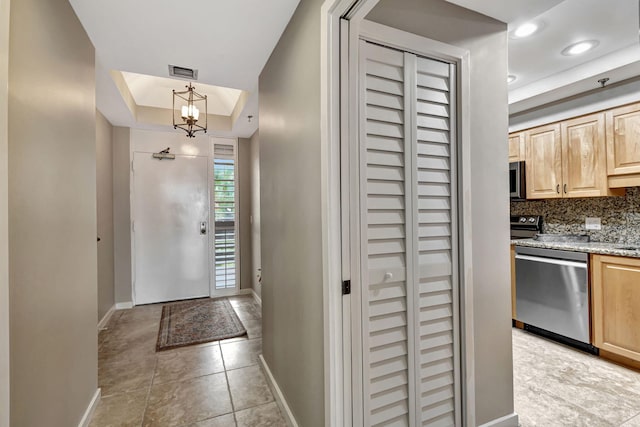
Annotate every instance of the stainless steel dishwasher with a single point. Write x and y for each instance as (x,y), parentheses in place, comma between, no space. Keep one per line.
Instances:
(552,294)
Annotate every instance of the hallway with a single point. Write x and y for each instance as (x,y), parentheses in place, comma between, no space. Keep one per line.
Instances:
(208,385)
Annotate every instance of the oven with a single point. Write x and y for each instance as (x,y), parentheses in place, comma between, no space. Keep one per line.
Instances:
(517,185)
(525,226)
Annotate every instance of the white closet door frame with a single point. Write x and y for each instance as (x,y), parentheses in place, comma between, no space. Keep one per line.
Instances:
(351,203)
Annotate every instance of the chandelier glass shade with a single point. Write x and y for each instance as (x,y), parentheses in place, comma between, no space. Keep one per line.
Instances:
(187,106)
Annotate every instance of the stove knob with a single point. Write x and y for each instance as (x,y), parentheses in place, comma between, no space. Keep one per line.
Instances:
(523,219)
(532,220)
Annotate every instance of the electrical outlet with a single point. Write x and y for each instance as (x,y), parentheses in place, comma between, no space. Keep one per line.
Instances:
(592,224)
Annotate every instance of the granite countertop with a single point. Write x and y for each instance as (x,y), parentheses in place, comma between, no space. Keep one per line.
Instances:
(618,249)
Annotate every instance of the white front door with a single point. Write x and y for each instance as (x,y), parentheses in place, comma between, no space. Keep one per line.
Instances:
(171,228)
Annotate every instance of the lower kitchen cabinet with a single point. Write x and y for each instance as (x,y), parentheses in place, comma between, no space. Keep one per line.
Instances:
(616,305)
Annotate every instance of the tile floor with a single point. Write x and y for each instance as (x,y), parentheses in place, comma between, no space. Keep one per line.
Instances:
(555,385)
(220,384)
(216,384)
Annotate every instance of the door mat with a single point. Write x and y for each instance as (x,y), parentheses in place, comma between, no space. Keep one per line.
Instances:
(197,321)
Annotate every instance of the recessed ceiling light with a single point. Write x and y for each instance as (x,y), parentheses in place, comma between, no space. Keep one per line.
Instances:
(525,30)
(580,47)
(511,78)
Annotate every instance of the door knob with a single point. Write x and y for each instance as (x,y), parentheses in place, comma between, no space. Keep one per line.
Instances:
(203,227)
(388,275)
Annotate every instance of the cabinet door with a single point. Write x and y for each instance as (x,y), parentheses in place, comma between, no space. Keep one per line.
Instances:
(616,305)
(583,157)
(516,147)
(623,140)
(544,162)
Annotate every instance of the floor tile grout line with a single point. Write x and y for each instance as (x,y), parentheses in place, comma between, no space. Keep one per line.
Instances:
(146,403)
(233,409)
(627,420)
(233,412)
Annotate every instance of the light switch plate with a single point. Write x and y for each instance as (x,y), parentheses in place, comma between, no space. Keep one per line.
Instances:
(593,224)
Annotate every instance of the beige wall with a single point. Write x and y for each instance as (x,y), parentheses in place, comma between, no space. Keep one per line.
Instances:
(121,212)
(4,211)
(52,215)
(254,159)
(104,190)
(244,211)
(486,40)
(291,245)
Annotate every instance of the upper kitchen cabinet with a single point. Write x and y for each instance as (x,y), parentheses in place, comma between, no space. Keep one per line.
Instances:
(584,167)
(516,147)
(623,146)
(568,159)
(544,162)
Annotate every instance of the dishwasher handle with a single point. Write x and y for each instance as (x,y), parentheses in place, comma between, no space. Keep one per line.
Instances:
(555,261)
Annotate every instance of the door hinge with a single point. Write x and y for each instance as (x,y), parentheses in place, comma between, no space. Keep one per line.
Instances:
(133,226)
(346,287)
(132,169)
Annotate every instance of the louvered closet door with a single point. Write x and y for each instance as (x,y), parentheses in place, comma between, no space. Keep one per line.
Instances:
(407,290)
(383,252)
(436,290)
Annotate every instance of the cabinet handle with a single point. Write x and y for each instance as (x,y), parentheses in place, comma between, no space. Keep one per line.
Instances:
(565,189)
(558,188)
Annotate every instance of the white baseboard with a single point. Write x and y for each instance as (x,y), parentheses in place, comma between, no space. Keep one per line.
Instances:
(510,420)
(282,403)
(124,305)
(256,297)
(102,324)
(88,414)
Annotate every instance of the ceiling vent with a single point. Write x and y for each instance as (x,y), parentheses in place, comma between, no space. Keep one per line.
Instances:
(183,72)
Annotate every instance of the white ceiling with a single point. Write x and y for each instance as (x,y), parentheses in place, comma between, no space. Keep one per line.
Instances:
(545,75)
(230,41)
(227,41)
(510,11)
(150,91)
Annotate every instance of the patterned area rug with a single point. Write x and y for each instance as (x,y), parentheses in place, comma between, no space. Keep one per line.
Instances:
(197,321)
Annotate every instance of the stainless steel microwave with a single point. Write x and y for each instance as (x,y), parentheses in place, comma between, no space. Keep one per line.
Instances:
(517,185)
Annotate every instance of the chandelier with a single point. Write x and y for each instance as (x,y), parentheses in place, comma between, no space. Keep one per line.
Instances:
(186,112)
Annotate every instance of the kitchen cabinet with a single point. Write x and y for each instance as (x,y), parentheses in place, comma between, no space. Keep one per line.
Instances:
(584,162)
(516,147)
(616,305)
(623,146)
(568,159)
(543,167)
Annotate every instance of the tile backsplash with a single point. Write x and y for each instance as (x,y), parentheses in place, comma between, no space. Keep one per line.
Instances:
(620,216)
